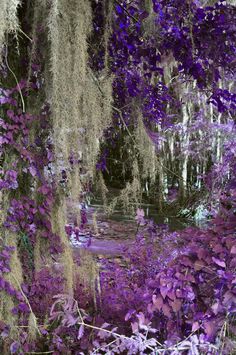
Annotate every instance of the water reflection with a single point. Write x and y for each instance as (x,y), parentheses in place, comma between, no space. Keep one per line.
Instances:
(172,222)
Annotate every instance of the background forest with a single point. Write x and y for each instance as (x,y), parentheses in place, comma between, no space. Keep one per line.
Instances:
(118,177)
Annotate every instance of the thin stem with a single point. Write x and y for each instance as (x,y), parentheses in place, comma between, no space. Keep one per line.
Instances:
(105,346)
(17,83)
(126,127)
(20,30)
(126,11)
(40,353)
(122,119)
(105,330)
(172,172)
(28,303)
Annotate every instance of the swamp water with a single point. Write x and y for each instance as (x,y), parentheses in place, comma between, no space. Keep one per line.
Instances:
(107,239)
(109,236)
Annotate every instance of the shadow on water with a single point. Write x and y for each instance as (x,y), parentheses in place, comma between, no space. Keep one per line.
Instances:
(118,230)
(172,222)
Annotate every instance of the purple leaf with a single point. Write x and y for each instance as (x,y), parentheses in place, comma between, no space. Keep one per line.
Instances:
(195,326)
(14,347)
(176,305)
(80,332)
(33,171)
(233,250)
(157,301)
(219,262)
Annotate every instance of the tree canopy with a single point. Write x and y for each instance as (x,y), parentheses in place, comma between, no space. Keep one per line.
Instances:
(136,96)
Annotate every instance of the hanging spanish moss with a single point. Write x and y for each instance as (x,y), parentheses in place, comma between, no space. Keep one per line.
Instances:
(69,26)
(87,274)
(130,197)
(131,103)
(15,277)
(8,19)
(81,104)
(58,226)
(147,153)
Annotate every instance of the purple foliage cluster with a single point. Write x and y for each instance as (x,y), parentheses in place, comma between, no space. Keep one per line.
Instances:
(174,285)
(200,39)
(170,286)
(27,217)
(183,283)
(6,286)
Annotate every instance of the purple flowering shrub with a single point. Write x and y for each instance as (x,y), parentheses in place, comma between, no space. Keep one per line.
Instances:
(171,292)
(169,287)
(27,217)
(183,285)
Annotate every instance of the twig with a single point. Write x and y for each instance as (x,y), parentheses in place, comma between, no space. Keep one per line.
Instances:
(95,79)
(105,346)
(126,11)
(114,107)
(45,352)
(82,321)
(172,172)
(40,353)
(223,333)
(105,330)
(28,303)
(17,83)
(20,30)
(126,127)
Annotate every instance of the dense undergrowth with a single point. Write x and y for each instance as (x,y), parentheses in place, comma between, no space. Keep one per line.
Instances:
(143,97)
(173,293)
